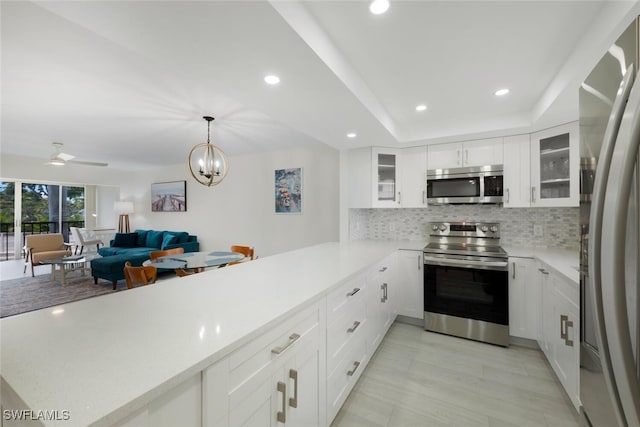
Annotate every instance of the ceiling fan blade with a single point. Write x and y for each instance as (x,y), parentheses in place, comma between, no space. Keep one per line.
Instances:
(65,156)
(81,162)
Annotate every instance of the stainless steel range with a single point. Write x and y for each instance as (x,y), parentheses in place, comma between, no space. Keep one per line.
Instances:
(466,282)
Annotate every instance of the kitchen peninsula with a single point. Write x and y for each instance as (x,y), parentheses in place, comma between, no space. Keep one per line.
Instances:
(109,360)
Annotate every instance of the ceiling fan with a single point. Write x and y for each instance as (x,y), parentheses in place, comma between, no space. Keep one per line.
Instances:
(60,159)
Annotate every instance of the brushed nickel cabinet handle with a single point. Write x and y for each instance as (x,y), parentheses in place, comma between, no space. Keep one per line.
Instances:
(282,415)
(533,194)
(399,197)
(567,341)
(355,368)
(508,196)
(424,197)
(384,298)
(563,333)
(514,270)
(293,401)
(353,328)
(466,155)
(353,292)
(292,338)
(419,262)
(458,152)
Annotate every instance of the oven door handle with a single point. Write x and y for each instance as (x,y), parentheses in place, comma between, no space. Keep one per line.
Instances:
(450,262)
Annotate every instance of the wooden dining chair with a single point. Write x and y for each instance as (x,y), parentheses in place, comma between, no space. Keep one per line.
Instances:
(157,254)
(247,251)
(143,275)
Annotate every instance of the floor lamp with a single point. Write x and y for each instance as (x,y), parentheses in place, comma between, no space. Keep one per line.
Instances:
(123,209)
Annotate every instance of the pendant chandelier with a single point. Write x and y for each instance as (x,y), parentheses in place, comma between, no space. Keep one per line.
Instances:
(208,164)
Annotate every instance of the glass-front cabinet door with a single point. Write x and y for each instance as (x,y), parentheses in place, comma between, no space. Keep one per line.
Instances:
(386,188)
(554,166)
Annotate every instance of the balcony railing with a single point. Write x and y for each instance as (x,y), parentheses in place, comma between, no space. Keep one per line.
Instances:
(7,233)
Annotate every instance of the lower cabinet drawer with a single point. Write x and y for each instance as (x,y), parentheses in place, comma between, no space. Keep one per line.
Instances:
(341,333)
(250,363)
(343,378)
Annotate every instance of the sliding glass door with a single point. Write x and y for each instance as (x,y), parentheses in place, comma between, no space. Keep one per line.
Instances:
(42,208)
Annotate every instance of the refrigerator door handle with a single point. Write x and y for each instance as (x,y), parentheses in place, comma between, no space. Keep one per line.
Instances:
(595,236)
(615,213)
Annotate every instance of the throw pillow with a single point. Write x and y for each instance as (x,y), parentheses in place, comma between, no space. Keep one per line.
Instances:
(168,239)
(154,239)
(125,240)
(182,236)
(141,238)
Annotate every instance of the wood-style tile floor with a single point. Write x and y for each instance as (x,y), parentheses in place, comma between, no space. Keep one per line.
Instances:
(419,378)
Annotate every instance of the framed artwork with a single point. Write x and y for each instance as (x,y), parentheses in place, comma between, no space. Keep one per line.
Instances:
(169,196)
(288,191)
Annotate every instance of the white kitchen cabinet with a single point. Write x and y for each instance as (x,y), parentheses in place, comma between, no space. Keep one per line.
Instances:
(279,378)
(555,166)
(566,339)
(346,320)
(444,156)
(380,309)
(545,325)
(559,329)
(413,162)
(408,289)
(517,171)
(386,178)
(524,290)
(481,152)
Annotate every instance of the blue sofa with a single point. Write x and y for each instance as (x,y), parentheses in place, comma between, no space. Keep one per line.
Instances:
(135,247)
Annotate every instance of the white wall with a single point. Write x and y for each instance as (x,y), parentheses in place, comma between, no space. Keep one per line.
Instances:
(241,210)
(238,211)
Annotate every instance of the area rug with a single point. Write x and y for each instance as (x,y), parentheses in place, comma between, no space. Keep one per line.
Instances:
(33,293)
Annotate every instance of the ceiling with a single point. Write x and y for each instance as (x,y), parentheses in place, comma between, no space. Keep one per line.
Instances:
(128,82)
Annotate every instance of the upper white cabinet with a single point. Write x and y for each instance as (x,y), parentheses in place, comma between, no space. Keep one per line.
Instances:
(555,166)
(517,168)
(444,156)
(465,154)
(413,163)
(386,178)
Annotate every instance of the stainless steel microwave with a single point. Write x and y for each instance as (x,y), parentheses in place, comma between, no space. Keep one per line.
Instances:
(481,184)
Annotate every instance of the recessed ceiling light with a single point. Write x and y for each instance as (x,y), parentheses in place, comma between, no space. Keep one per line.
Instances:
(421,107)
(272,79)
(378,7)
(351,135)
(501,92)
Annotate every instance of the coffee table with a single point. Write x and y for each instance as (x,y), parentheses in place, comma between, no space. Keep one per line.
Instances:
(63,265)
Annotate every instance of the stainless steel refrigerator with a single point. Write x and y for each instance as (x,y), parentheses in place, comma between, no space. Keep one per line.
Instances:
(610,233)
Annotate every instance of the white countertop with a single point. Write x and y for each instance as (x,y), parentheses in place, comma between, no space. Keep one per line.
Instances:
(103,358)
(563,261)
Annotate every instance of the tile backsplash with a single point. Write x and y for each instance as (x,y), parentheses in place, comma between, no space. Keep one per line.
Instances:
(560,226)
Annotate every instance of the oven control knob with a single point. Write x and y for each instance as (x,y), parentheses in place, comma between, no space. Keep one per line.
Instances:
(484,228)
(443,227)
(493,228)
(434,227)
